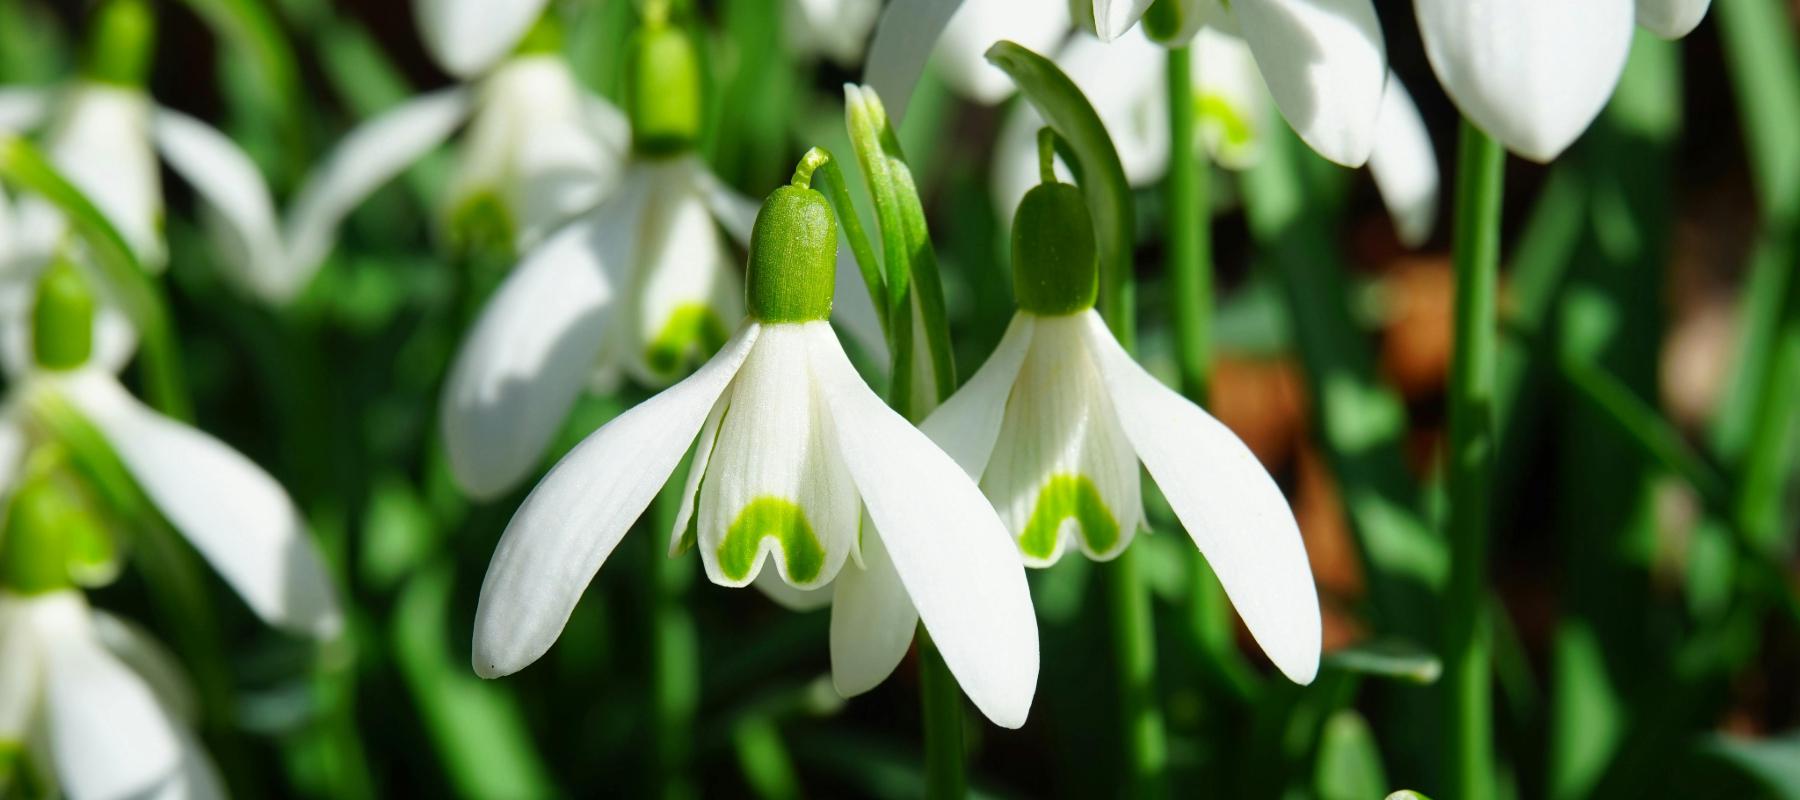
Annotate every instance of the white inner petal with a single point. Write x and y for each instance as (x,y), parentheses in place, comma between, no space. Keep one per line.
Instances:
(686,294)
(1062,472)
(775,483)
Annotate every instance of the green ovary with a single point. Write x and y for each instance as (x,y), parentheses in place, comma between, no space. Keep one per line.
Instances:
(1236,129)
(772,517)
(692,328)
(1062,497)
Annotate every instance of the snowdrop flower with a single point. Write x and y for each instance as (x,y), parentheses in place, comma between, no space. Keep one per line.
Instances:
(793,451)
(1126,82)
(1535,73)
(834,29)
(1056,422)
(643,285)
(103,133)
(1324,61)
(239,519)
(539,149)
(91,706)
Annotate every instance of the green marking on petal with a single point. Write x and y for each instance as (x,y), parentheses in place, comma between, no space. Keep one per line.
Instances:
(693,330)
(1062,497)
(481,225)
(783,520)
(1230,121)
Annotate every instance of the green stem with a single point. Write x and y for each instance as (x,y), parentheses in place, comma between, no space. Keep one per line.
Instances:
(1476,256)
(674,684)
(1190,235)
(942,701)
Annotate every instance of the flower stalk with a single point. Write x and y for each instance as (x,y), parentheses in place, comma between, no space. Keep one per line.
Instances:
(1476,258)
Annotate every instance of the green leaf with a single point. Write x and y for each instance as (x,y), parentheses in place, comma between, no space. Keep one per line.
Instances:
(1349,766)
(1389,658)
(1069,113)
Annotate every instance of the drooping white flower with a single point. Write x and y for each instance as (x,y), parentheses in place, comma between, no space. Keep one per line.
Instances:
(93,706)
(104,138)
(1056,422)
(1127,84)
(1535,73)
(643,285)
(834,29)
(539,146)
(793,450)
(237,516)
(1324,61)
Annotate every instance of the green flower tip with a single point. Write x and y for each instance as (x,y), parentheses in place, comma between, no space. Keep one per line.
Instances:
(793,257)
(662,89)
(124,33)
(62,321)
(1056,267)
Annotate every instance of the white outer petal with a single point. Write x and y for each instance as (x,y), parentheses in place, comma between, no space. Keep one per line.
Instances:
(159,668)
(1325,63)
(228,181)
(953,556)
(528,355)
(968,423)
(961,54)
(872,621)
(904,39)
(1405,166)
(369,156)
(233,512)
(836,29)
(1225,74)
(576,515)
(21,667)
(1531,73)
(1112,18)
(101,143)
(108,736)
(23,108)
(468,36)
(1671,19)
(1228,503)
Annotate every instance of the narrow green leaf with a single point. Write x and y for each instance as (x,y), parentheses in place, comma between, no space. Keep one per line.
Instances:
(1389,658)
(829,178)
(1349,765)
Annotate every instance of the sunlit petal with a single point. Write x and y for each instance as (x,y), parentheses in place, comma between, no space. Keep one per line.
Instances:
(967,424)
(872,621)
(468,36)
(1325,63)
(1405,167)
(962,50)
(229,183)
(1671,19)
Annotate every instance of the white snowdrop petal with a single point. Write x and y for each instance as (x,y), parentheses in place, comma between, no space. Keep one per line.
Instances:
(527,356)
(967,424)
(150,661)
(1234,102)
(23,108)
(101,144)
(836,29)
(1112,18)
(775,486)
(229,183)
(904,38)
(961,52)
(685,294)
(1228,503)
(690,492)
(13,446)
(771,585)
(468,36)
(108,736)
(21,668)
(1671,19)
(950,550)
(237,516)
(1061,472)
(1531,73)
(1405,167)
(368,157)
(1325,63)
(568,525)
(872,621)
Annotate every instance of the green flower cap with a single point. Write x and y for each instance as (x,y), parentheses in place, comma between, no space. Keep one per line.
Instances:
(662,89)
(793,254)
(34,550)
(62,320)
(119,51)
(1056,266)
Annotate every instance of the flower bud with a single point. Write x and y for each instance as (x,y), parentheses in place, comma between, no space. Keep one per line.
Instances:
(62,319)
(1056,267)
(119,52)
(662,90)
(793,257)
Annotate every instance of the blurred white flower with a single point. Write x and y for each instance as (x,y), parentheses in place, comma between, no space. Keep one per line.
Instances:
(793,449)
(92,706)
(539,145)
(1324,61)
(1535,73)
(103,138)
(1054,426)
(834,29)
(643,285)
(1127,84)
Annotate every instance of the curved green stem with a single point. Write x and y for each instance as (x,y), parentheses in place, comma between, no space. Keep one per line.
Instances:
(1470,462)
